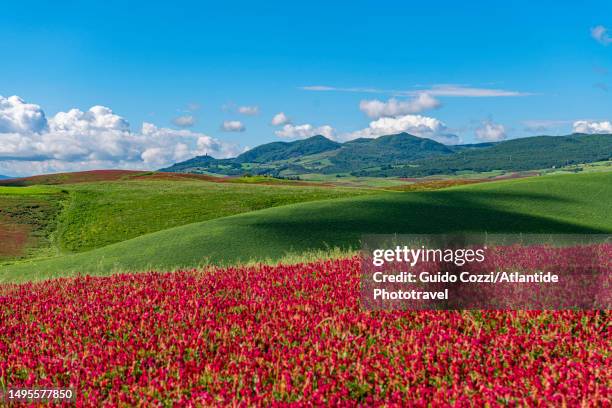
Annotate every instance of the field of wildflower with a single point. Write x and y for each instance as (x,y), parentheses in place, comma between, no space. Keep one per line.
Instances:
(271,335)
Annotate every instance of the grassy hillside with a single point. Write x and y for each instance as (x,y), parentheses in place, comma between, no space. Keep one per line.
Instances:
(27,219)
(575,203)
(83,216)
(104,213)
(131,175)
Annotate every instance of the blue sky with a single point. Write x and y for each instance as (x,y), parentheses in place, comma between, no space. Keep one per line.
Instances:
(546,66)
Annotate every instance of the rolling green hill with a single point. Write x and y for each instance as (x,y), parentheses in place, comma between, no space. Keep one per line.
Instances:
(573,203)
(38,220)
(104,213)
(404,155)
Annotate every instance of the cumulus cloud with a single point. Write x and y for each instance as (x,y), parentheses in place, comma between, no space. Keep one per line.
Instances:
(96,138)
(600,34)
(280,119)
(290,131)
(178,145)
(417,125)
(96,118)
(184,121)
(248,110)
(491,132)
(18,116)
(591,127)
(377,109)
(233,126)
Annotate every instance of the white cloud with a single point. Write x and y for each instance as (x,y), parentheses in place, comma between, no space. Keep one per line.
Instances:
(417,125)
(541,125)
(94,139)
(193,106)
(280,119)
(290,131)
(600,34)
(449,90)
(183,144)
(153,155)
(585,126)
(321,88)
(18,116)
(96,118)
(491,132)
(233,126)
(377,109)
(466,91)
(248,110)
(96,134)
(184,121)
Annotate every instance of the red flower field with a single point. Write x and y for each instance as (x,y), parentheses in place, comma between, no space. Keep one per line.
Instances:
(289,334)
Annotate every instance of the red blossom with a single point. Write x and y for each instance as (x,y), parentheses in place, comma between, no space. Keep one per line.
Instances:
(289,334)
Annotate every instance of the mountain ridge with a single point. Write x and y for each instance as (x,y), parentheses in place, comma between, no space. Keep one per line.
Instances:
(286,150)
(403,155)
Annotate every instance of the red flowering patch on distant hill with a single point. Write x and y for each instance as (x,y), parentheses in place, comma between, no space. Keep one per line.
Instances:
(13,237)
(93,176)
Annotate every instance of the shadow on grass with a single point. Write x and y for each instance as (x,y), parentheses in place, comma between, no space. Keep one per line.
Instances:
(435,212)
(315,226)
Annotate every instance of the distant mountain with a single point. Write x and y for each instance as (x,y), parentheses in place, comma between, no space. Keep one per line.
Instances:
(276,151)
(198,162)
(318,154)
(384,151)
(4,177)
(529,153)
(404,155)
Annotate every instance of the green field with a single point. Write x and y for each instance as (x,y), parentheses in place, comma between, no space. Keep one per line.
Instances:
(100,214)
(569,203)
(39,221)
